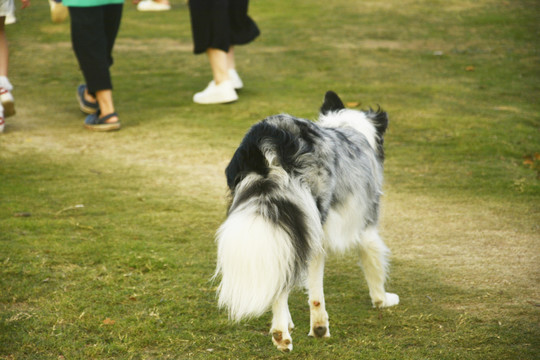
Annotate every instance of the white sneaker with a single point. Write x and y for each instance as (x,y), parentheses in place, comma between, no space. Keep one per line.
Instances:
(235,79)
(216,94)
(150,5)
(7,102)
(10,19)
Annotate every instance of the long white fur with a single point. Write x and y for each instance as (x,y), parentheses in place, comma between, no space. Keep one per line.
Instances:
(255,257)
(351,118)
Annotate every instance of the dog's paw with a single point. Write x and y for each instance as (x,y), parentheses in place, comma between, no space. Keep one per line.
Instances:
(319,325)
(319,331)
(282,341)
(390,300)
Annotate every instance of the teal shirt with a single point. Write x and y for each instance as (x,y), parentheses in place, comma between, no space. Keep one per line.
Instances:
(87,3)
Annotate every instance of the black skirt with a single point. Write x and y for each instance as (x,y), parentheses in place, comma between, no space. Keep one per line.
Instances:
(220,24)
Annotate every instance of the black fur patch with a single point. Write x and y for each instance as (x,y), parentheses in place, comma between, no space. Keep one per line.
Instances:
(248,157)
(292,219)
(262,187)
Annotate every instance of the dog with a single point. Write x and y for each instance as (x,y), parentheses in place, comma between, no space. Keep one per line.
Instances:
(300,190)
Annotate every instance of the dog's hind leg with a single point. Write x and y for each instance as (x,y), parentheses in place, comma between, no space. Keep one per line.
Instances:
(374,260)
(319,326)
(282,323)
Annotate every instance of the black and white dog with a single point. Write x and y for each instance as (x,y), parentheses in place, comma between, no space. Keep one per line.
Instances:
(301,189)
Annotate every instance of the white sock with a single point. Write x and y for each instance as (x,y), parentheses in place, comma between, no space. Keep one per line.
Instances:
(4,82)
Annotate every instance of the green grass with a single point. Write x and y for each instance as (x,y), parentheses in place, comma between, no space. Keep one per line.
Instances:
(127,274)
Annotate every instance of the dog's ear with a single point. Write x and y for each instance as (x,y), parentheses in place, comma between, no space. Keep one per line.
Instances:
(332,102)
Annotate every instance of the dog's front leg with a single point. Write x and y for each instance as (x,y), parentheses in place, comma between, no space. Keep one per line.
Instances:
(318,315)
(282,323)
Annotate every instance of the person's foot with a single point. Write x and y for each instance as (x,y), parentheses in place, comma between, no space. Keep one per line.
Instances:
(87,103)
(221,93)
(151,5)
(2,122)
(108,122)
(10,19)
(235,79)
(7,101)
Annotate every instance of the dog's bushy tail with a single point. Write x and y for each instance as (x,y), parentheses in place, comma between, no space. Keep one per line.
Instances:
(272,228)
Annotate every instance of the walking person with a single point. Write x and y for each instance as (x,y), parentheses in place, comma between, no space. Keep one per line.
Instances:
(94,27)
(217,26)
(7,102)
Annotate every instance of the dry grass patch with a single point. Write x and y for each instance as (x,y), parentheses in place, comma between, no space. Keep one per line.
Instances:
(473,243)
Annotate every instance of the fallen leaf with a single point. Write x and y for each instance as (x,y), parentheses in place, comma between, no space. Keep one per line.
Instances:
(353,104)
(109,321)
(469,68)
(22,214)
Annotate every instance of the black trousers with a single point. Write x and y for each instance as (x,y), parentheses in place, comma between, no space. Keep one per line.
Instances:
(220,24)
(93,33)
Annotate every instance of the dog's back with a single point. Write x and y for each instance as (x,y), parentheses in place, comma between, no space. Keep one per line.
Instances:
(291,181)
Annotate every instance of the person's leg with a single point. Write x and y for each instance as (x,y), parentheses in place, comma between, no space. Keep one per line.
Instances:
(219,62)
(4,54)
(89,42)
(221,89)
(112,20)
(3,63)
(210,30)
(94,31)
(106,105)
(231,64)
(6,98)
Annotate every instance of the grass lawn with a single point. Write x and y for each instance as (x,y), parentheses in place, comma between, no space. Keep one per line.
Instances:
(106,240)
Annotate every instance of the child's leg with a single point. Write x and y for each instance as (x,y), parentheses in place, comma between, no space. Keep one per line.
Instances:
(4,55)
(6,99)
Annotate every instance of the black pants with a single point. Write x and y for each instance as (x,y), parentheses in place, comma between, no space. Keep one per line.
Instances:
(93,33)
(220,24)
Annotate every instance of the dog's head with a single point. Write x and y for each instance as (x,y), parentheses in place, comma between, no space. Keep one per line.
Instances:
(371,123)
